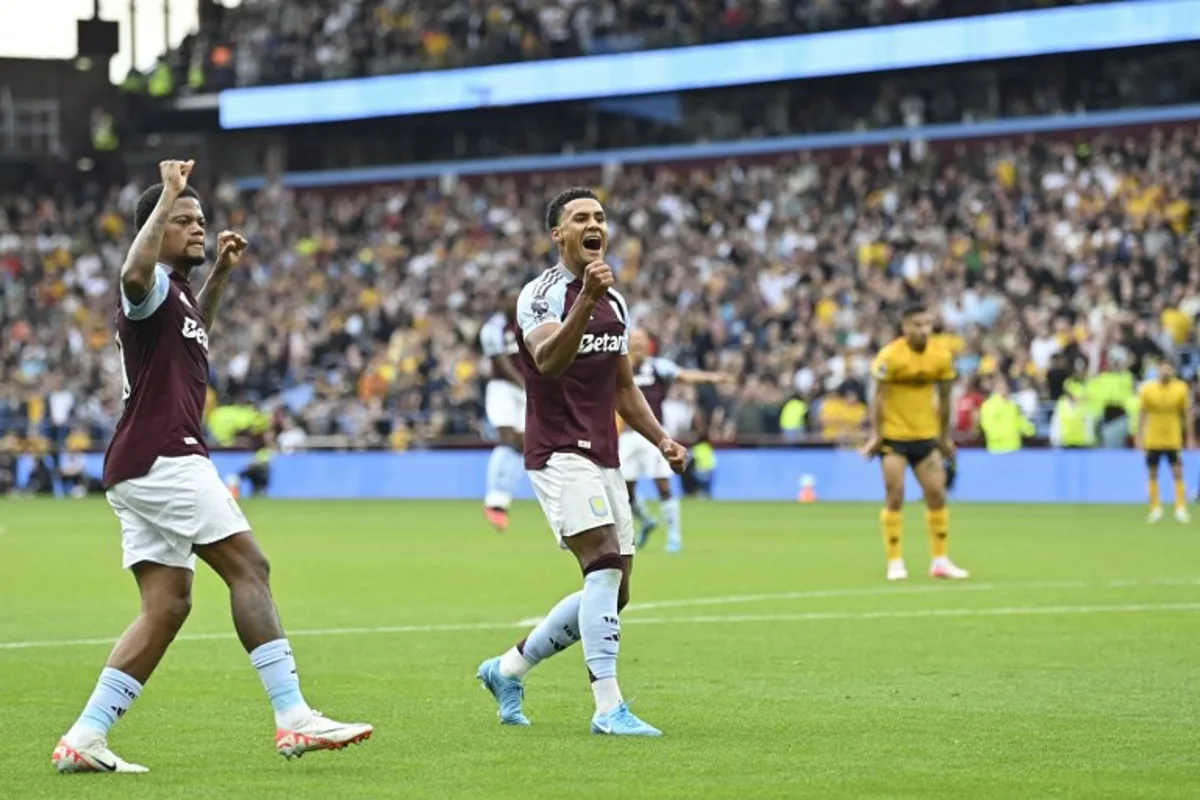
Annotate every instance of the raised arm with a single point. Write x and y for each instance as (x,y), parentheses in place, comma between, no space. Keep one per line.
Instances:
(553,341)
(698,376)
(230,247)
(138,274)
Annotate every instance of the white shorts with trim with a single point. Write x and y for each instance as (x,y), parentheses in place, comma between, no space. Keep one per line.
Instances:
(640,459)
(181,502)
(578,495)
(504,404)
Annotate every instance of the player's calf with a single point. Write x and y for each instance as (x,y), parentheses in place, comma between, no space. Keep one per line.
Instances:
(299,729)
(166,601)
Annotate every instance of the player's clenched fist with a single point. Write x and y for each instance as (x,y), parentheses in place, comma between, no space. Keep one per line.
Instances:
(230,247)
(175,174)
(597,279)
(676,455)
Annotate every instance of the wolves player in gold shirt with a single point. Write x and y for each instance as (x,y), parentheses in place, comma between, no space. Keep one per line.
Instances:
(910,427)
(1164,414)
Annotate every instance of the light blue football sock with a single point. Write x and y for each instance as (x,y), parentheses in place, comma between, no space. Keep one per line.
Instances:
(277,670)
(639,508)
(558,631)
(499,463)
(514,465)
(599,624)
(671,513)
(114,694)
(600,632)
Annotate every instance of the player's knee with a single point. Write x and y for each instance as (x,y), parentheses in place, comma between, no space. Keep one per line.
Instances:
(601,560)
(935,499)
(894,499)
(257,567)
(168,609)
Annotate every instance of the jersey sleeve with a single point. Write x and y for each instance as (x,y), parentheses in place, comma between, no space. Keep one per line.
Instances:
(540,304)
(946,371)
(491,339)
(881,366)
(153,299)
(666,369)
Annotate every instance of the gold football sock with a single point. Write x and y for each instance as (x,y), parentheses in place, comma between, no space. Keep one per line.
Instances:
(1155,498)
(893,533)
(1180,494)
(938,523)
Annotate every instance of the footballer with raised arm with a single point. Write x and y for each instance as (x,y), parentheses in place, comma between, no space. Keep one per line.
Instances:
(168,497)
(573,351)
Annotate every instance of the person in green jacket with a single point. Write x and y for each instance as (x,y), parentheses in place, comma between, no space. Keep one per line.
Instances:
(1073,424)
(1003,423)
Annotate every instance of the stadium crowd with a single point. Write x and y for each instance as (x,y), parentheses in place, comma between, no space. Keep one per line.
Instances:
(358,312)
(275,41)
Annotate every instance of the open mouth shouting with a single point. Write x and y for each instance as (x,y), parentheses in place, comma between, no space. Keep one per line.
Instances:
(593,244)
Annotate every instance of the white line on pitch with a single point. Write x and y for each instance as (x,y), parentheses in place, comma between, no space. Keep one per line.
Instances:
(873,591)
(877,591)
(920,613)
(815,616)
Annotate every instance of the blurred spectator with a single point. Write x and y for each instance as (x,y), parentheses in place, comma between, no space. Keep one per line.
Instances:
(1002,420)
(277,41)
(358,310)
(9,450)
(843,416)
(1073,424)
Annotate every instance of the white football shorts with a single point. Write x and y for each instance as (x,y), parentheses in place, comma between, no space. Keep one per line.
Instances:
(578,495)
(640,459)
(180,503)
(504,404)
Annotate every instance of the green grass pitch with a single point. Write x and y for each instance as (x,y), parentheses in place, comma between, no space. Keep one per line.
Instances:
(773,654)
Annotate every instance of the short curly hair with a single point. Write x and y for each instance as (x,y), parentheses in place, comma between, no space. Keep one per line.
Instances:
(555,208)
(149,199)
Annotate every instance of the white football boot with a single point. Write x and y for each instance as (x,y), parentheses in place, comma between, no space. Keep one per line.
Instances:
(944,568)
(87,751)
(317,732)
(896,571)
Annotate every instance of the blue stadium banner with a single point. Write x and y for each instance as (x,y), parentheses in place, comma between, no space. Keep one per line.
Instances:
(1132,23)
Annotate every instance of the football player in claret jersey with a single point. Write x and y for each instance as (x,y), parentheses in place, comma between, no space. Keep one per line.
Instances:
(641,459)
(574,354)
(168,498)
(910,427)
(504,403)
(1164,419)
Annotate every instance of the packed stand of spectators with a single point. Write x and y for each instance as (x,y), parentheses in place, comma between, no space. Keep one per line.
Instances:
(276,41)
(357,313)
(1053,86)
